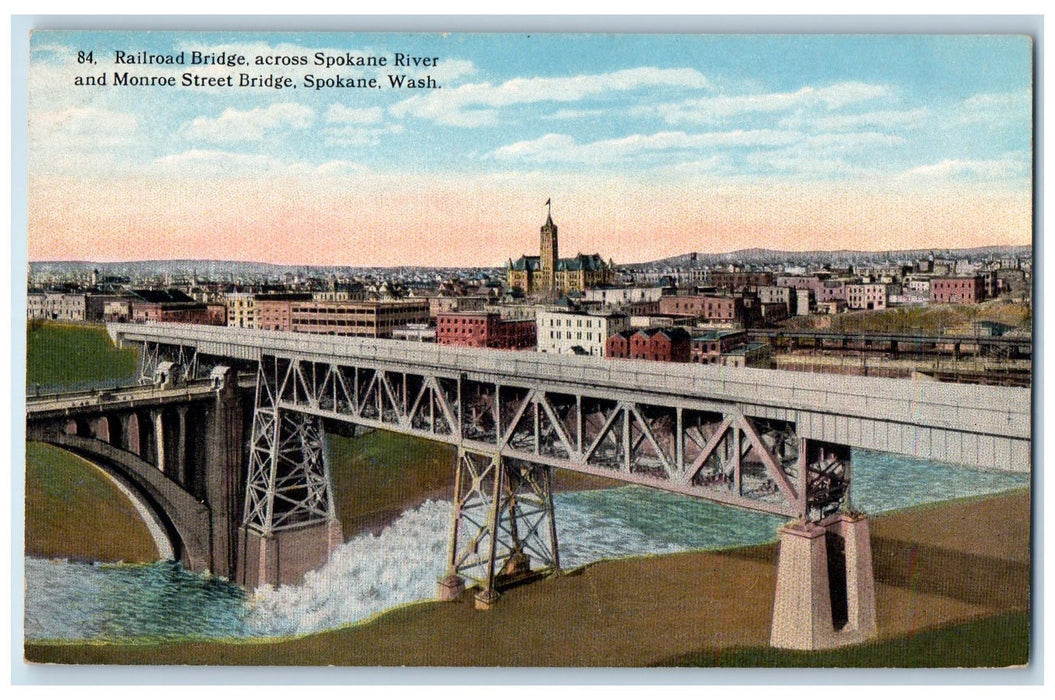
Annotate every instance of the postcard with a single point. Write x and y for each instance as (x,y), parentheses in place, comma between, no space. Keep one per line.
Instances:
(529,349)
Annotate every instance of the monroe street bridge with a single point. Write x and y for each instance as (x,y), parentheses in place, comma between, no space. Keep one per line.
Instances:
(225,441)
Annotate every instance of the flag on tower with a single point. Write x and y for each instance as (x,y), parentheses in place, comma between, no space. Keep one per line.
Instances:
(547,202)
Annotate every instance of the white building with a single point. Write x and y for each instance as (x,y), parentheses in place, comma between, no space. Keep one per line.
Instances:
(867,296)
(57,306)
(241,310)
(918,284)
(776,295)
(803,301)
(35,305)
(565,333)
(617,296)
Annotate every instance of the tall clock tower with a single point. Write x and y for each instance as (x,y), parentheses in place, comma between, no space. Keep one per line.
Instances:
(548,252)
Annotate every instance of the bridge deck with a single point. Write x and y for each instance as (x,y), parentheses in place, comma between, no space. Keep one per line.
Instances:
(975,425)
(129,397)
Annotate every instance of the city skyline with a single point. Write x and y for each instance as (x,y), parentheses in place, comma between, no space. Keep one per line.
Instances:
(705,143)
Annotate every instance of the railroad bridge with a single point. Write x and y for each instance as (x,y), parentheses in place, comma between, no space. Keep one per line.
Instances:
(772,441)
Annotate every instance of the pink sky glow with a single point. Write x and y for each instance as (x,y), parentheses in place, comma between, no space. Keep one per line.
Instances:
(446,225)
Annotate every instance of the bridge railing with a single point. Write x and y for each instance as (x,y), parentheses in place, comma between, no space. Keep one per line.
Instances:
(34,389)
(1004,411)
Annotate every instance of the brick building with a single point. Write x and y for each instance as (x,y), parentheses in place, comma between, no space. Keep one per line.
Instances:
(867,296)
(174,306)
(550,275)
(56,306)
(274,312)
(485,330)
(657,344)
(708,348)
(709,308)
(371,319)
(957,290)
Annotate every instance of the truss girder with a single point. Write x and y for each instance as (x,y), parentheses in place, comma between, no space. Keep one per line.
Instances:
(502,524)
(827,470)
(183,357)
(288,480)
(705,449)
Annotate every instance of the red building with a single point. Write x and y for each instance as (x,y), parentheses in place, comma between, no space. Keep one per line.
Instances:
(173,306)
(274,312)
(485,330)
(658,344)
(957,290)
(710,308)
(708,348)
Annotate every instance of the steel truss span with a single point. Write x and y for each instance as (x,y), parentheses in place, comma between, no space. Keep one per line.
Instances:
(709,450)
(985,427)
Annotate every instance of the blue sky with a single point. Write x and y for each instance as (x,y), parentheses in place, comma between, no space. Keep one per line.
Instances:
(647,117)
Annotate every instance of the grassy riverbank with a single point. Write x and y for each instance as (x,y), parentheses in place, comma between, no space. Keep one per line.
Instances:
(954,319)
(59,354)
(73,510)
(952,590)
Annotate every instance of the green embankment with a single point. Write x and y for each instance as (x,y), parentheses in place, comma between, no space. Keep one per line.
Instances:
(952,590)
(74,510)
(933,319)
(992,642)
(379,475)
(65,354)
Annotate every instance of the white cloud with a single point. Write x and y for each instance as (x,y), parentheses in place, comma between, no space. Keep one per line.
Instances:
(476,104)
(207,163)
(885,119)
(250,125)
(827,155)
(722,107)
(714,165)
(841,94)
(1008,167)
(996,108)
(563,148)
(339,114)
(360,136)
(578,114)
(82,128)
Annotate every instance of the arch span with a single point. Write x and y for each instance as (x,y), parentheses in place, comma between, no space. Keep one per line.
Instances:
(183,517)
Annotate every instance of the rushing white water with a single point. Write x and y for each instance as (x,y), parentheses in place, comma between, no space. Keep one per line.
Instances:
(365,576)
(371,574)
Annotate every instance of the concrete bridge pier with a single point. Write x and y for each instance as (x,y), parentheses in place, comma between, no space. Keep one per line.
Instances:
(503,529)
(825,594)
(224,472)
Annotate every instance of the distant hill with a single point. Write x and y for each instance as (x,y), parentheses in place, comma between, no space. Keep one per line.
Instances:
(759,256)
(225,269)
